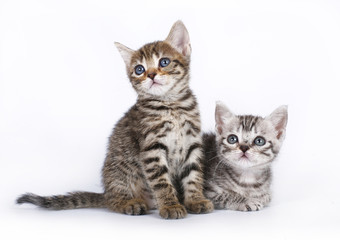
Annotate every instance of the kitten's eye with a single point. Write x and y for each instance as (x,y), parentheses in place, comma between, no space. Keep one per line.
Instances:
(232,139)
(139,69)
(163,62)
(259,141)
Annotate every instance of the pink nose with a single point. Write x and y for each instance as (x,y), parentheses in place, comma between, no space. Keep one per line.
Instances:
(152,75)
(244,148)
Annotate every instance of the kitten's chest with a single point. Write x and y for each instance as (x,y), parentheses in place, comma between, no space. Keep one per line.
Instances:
(180,137)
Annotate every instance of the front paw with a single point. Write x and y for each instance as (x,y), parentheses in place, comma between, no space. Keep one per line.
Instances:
(200,206)
(250,206)
(172,212)
(135,207)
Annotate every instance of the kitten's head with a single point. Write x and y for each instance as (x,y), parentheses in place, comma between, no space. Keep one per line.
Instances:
(160,68)
(249,141)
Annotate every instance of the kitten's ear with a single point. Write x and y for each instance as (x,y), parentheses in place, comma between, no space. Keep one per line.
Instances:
(179,38)
(222,116)
(279,120)
(125,52)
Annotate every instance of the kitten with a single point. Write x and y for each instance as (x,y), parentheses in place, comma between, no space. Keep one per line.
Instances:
(238,158)
(154,153)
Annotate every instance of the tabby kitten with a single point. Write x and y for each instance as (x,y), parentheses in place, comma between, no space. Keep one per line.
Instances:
(238,158)
(154,152)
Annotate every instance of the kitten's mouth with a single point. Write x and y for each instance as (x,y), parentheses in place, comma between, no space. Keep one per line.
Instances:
(244,157)
(155,84)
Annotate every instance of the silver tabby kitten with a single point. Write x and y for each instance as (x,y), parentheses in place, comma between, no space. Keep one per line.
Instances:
(154,153)
(238,158)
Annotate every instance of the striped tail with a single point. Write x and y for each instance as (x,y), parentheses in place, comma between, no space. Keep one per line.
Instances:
(71,200)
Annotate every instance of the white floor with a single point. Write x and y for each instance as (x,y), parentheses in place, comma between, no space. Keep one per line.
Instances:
(309,218)
(306,205)
(63,87)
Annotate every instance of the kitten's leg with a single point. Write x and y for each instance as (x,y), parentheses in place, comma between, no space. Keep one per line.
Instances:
(122,183)
(121,199)
(227,200)
(191,177)
(155,166)
(234,201)
(219,200)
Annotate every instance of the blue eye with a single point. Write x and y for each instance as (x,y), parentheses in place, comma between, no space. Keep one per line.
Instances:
(232,139)
(259,141)
(139,69)
(163,62)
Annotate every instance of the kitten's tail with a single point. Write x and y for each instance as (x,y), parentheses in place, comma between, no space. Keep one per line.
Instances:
(62,202)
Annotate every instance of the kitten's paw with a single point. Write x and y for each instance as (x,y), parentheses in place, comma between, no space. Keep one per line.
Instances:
(200,206)
(135,206)
(250,206)
(172,212)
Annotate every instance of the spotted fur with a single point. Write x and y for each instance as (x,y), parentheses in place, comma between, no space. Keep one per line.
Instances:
(238,176)
(154,153)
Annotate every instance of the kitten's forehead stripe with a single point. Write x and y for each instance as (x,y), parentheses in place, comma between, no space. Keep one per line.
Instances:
(248,122)
(155,48)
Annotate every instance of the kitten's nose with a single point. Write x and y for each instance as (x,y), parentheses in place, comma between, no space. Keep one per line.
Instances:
(152,75)
(244,148)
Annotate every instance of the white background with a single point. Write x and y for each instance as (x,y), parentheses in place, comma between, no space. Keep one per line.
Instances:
(63,87)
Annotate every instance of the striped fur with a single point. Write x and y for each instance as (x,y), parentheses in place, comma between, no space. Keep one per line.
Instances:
(154,153)
(62,202)
(239,179)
